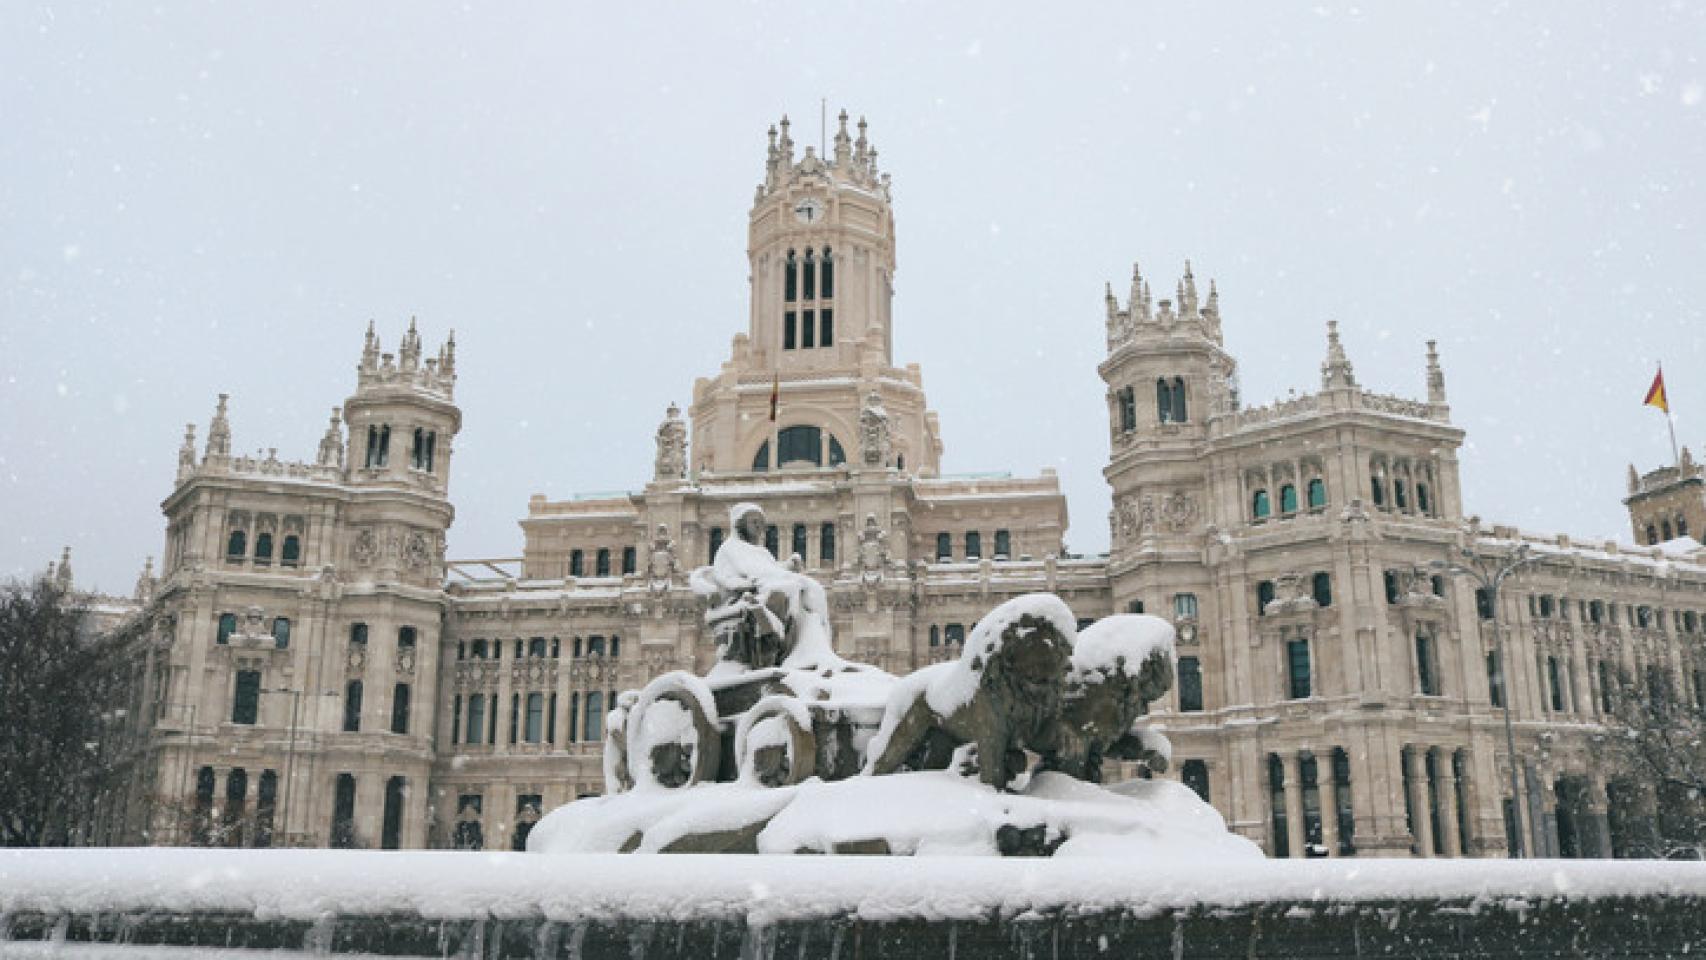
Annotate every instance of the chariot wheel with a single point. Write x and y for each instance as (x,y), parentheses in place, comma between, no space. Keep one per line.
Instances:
(672,735)
(774,743)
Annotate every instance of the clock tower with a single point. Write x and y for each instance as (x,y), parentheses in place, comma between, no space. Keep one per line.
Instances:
(819,343)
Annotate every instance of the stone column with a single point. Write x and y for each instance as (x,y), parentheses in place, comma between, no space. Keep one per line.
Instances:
(1447,789)
(1329,791)
(1295,836)
(1420,820)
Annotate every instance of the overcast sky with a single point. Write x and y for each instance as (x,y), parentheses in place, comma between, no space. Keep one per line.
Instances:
(203,198)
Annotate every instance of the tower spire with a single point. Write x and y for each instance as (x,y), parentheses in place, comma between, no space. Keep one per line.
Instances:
(1336,369)
(1188,293)
(186,453)
(219,431)
(1436,376)
(1139,309)
(843,143)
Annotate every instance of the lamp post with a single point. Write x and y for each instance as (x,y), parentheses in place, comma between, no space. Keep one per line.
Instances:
(289,758)
(1489,571)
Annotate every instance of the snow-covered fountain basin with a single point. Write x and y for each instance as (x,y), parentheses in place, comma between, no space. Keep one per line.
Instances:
(626,906)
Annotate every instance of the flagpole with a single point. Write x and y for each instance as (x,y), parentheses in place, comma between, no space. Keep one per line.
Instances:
(1670,421)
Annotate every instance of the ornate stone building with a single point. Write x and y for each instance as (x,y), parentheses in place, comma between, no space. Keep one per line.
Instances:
(325,677)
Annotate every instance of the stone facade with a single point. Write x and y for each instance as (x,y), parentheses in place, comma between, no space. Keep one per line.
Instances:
(1336,689)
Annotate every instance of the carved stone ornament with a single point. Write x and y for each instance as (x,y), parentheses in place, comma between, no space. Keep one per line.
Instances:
(1178,510)
(671,461)
(662,565)
(417,550)
(357,658)
(365,550)
(406,661)
(874,442)
(873,550)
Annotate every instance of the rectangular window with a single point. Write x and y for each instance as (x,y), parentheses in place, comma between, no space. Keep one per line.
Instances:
(1185,606)
(400,708)
(808,277)
(1134,606)
(788,322)
(828,277)
(1555,683)
(343,812)
(808,329)
(1607,685)
(476,718)
(1003,545)
(246,704)
(534,729)
(1483,603)
(1190,685)
(826,336)
(1426,681)
(1297,662)
(630,560)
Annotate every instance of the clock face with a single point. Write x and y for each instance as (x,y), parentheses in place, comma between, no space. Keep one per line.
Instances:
(808,210)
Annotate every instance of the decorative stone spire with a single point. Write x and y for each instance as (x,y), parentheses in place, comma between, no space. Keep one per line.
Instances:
(219,432)
(186,453)
(1139,302)
(409,354)
(145,582)
(332,444)
(1213,307)
(1436,376)
(843,143)
(447,358)
(1336,369)
(62,574)
(861,146)
(1634,480)
(370,350)
(786,146)
(1188,293)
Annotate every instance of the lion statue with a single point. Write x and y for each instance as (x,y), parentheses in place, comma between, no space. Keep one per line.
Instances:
(1003,696)
(1120,665)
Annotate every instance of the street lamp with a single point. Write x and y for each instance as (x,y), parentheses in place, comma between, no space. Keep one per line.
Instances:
(1489,570)
(289,758)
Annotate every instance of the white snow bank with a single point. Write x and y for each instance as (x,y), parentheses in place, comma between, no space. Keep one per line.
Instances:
(925,813)
(309,884)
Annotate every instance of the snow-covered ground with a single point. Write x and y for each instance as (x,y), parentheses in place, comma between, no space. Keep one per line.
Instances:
(310,884)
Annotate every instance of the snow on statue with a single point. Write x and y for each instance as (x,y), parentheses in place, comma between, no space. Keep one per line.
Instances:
(785,747)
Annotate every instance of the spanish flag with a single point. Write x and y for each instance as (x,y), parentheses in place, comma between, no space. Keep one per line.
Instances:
(776,395)
(1655,395)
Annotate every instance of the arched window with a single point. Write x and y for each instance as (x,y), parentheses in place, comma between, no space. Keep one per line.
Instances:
(1390,580)
(1400,499)
(352,707)
(384,445)
(1377,489)
(974,545)
(837,456)
(400,708)
(1194,774)
(1179,400)
(773,541)
(1288,499)
(808,279)
(263,547)
(1427,673)
(343,812)
(237,546)
(417,450)
(1276,802)
(1321,588)
(1317,494)
(1342,799)
(1652,534)
(828,271)
(799,445)
(1259,506)
(1681,526)
(630,560)
(799,540)
(1264,596)
(1297,669)
(593,727)
(1003,545)
(291,555)
(227,626)
(372,459)
(826,543)
(790,289)
(716,541)
(1424,502)
(1664,526)
(1128,409)
(405,638)
(281,632)
(1164,400)
(577,563)
(944,547)
(935,635)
